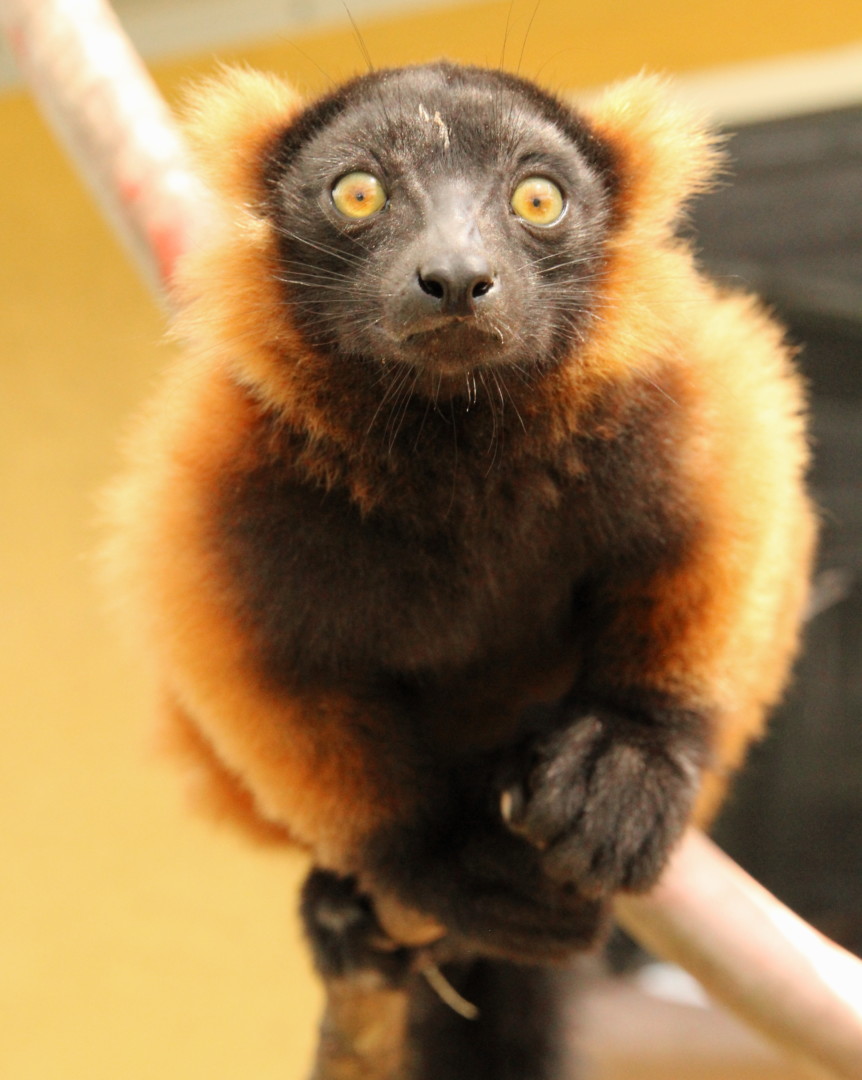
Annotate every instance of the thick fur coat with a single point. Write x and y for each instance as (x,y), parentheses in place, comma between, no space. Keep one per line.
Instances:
(484,645)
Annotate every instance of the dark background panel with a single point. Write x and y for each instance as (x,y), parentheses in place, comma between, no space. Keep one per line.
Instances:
(788,223)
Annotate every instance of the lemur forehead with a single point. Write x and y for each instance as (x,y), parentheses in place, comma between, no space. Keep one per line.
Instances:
(448,103)
(475,112)
(442,127)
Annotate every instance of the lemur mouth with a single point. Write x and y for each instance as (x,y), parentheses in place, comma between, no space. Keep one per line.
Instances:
(452,344)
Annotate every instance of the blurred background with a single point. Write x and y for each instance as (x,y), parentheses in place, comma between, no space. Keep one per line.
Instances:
(137,941)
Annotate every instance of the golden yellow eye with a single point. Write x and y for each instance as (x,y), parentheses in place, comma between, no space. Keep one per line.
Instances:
(538,201)
(358,195)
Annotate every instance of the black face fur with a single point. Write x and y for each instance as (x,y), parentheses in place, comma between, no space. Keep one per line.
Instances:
(445,279)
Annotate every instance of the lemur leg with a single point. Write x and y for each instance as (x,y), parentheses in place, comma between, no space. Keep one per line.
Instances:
(368,983)
(384,1021)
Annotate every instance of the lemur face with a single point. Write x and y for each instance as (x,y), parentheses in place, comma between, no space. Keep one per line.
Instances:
(445,219)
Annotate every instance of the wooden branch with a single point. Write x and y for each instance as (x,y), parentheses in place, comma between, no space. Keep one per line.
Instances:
(750,952)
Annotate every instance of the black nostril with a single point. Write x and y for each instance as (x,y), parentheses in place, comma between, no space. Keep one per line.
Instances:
(432,286)
(457,287)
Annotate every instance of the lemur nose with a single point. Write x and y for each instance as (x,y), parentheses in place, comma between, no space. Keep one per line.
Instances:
(456,281)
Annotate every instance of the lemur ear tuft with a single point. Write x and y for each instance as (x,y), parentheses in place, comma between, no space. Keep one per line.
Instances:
(231,121)
(666,153)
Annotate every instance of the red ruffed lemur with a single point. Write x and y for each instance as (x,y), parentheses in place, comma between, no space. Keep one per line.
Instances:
(469,539)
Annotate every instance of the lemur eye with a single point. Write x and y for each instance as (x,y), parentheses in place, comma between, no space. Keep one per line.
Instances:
(358,195)
(538,201)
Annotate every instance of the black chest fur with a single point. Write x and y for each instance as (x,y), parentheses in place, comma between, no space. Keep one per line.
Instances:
(334,591)
(474,573)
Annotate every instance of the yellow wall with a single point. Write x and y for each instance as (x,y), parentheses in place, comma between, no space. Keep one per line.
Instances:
(135,941)
(578,43)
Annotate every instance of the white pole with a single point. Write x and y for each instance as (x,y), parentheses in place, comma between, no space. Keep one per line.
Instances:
(753,955)
(105,109)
